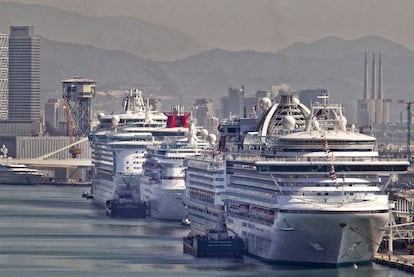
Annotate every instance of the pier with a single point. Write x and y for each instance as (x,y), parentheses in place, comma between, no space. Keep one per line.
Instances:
(402,262)
(401,229)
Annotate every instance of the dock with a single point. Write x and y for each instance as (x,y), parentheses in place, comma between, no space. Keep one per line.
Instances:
(402,262)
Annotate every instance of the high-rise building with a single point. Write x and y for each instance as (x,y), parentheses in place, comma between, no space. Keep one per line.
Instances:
(54,117)
(203,111)
(24,74)
(233,105)
(4,76)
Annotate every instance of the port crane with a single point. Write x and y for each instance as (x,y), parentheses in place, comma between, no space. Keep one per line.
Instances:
(409,122)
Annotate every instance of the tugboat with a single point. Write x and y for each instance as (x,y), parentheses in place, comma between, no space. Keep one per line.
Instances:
(126,205)
(214,244)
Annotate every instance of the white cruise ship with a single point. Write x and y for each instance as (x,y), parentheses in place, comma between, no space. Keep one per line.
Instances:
(206,174)
(163,185)
(119,145)
(205,181)
(312,195)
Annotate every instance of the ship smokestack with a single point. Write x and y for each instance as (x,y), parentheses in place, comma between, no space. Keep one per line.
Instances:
(380,89)
(373,89)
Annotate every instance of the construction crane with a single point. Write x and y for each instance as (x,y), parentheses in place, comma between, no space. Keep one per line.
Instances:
(74,150)
(409,122)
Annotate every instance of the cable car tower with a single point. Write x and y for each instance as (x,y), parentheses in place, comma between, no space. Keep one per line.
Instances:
(77,95)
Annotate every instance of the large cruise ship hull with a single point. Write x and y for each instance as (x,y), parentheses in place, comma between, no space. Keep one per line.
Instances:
(318,238)
(103,190)
(167,204)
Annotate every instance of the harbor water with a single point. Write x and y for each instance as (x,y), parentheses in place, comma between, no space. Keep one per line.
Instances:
(53,231)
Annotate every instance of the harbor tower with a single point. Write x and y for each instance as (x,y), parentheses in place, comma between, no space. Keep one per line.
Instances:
(77,95)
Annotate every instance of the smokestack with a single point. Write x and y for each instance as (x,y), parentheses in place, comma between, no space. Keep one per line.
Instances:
(373,91)
(366,93)
(380,89)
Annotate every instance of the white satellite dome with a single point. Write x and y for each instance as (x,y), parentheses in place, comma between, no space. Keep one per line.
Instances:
(203,133)
(265,103)
(212,138)
(115,120)
(295,100)
(100,115)
(289,122)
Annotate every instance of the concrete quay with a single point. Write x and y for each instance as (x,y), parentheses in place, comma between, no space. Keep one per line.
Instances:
(402,262)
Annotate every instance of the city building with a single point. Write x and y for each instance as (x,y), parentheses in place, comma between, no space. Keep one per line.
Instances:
(23,84)
(310,96)
(4,76)
(54,119)
(203,110)
(235,104)
(24,74)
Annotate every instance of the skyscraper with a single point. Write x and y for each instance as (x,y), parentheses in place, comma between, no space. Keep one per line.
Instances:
(4,76)
(24,74)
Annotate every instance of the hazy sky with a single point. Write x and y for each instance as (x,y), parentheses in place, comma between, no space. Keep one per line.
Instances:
(263,25)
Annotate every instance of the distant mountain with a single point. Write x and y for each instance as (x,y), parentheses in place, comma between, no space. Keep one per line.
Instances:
(330,63)
(331,47)
(117,33)
(112,70)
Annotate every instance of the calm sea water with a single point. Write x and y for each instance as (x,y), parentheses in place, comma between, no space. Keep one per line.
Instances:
(53,231)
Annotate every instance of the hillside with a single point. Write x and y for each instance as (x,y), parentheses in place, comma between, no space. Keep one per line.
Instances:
(116,33)
(331,63)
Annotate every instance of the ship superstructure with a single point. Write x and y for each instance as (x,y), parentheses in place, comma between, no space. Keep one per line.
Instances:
(206,174)
(119,146)
(309,193)
(163,185)
(205,182)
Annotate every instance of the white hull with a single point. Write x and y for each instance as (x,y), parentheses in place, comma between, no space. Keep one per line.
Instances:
(104,190)
(166,204)
(314,238)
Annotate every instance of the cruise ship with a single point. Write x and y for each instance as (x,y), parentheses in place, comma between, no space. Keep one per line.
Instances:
(119,145)
(163,184)
(18,174)
(206,174)
(305,189)
(205,181)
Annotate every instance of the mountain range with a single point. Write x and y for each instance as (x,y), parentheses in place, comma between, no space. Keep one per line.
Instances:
(74,45)
(110,32)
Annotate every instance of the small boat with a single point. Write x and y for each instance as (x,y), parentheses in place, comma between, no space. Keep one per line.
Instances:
(18,174)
